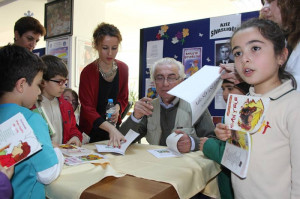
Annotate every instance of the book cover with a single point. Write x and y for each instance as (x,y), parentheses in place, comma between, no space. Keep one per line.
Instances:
(17,141)
(83,159)
(72,150)
(244,115)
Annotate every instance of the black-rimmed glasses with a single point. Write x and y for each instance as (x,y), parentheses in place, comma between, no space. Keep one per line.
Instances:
(60,82)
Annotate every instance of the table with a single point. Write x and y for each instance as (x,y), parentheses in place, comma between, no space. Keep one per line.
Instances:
(138,173)
(125,188)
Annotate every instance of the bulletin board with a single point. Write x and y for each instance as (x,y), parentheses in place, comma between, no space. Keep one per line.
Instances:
(194,43)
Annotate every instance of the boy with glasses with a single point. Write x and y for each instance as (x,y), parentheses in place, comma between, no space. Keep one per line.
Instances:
(59,113)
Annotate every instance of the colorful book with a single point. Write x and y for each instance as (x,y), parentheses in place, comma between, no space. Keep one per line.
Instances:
(90,158)
(244,115)
(73,150)
(17,141)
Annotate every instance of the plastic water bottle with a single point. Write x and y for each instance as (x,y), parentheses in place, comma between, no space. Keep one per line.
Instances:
(110,109)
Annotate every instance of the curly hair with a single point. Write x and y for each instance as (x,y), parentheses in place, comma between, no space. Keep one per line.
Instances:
(105,29)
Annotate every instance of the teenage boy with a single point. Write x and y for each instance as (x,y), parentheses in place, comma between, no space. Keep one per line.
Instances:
(59,112)
(21,74)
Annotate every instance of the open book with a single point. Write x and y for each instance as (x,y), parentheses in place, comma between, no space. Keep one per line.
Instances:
(17,141)
(172,150)
(130,137)
(244,115)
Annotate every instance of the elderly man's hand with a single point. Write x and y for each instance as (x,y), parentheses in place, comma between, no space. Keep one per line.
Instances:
(143,107)
(184,143)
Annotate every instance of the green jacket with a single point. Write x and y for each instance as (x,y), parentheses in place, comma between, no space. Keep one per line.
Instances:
(214,149)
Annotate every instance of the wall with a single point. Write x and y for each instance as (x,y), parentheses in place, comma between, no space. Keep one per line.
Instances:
(128,15)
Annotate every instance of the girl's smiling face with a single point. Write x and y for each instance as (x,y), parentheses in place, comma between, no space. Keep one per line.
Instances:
(255,59)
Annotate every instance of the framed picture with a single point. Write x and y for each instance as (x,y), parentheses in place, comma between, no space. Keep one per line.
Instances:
(58,18)
(85,54)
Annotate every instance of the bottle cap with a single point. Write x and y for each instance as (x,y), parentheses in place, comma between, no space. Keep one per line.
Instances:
(110,100)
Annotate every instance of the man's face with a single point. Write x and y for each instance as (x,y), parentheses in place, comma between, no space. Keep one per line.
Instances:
(28,40)
(224,53)
(166,77)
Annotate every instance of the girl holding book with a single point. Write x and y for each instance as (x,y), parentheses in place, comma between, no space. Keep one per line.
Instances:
(274,169)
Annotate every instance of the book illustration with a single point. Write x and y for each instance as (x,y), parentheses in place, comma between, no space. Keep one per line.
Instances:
(244,116)
(245,113)
(237,153)
(17,141)
(76,160)
(130,137)
(72,150)
(172,150)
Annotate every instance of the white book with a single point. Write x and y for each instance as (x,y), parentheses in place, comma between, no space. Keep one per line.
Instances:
(73,150)
(130,137)
(83,159)
(244,115)
(199,89)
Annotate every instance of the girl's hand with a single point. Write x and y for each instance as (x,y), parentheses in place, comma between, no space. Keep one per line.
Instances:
(115,137)
(222,132)
(74,141)
(229,73)
(202,141)
(7,171)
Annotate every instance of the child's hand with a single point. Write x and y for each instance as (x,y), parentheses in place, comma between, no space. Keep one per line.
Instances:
(74,141)
(7,171)
(228,72)
(202,141)
(222,132)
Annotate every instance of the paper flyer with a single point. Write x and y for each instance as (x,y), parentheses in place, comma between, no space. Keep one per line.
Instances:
(199,89)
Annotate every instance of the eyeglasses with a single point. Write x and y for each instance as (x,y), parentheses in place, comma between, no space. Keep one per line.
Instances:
(60,82)
(170,79)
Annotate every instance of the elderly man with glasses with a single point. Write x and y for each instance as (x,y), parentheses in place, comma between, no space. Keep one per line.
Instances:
(157,118)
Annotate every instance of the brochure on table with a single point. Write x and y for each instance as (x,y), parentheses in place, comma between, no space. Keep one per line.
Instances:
(199,89)
(172,150)
(244,115)
(17,141)
(130,137)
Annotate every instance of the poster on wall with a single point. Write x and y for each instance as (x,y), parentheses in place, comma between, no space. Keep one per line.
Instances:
(222,27)
(150,89)
(154,52)
(192,60)
(85,54)
(223,53)
(61,47)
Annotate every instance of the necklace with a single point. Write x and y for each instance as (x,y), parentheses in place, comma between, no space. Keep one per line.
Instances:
(110,73)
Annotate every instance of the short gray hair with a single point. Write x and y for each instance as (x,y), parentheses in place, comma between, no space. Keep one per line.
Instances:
(168,61)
